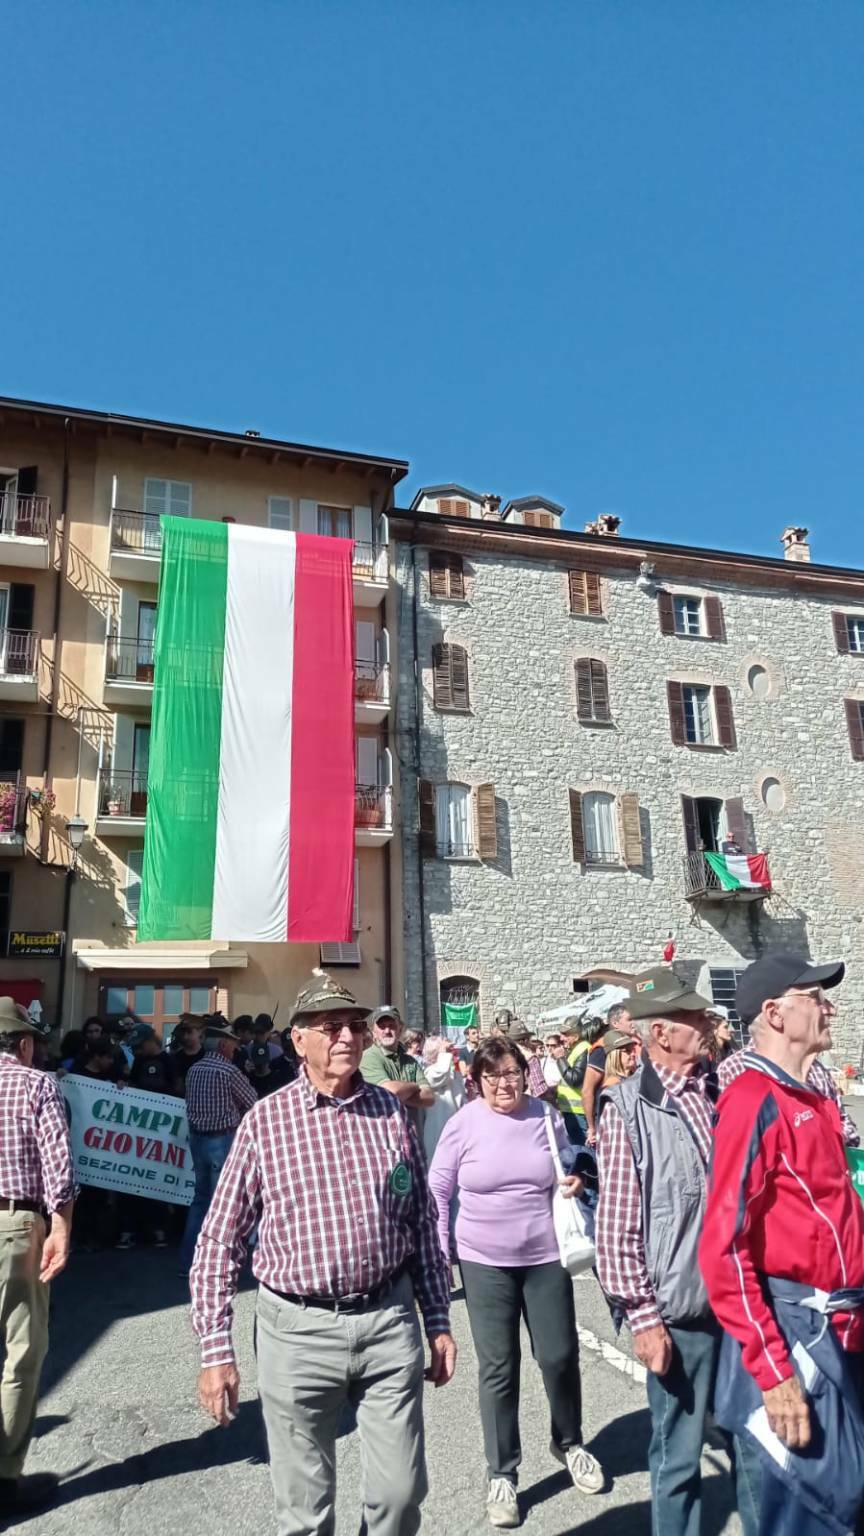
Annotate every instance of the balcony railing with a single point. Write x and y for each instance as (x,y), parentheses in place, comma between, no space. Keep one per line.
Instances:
(122,793)
(129,661)
(24,517)
(369,562)
(19,652)
(136,533)
(14,804)
(445,848)
(373,806)
(700,880)
(371,682)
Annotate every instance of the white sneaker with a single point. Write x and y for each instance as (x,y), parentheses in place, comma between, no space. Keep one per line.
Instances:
(501,1505)
(585,1469)
(125,1240)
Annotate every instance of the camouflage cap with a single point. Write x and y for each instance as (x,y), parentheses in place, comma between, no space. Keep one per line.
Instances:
(324,995)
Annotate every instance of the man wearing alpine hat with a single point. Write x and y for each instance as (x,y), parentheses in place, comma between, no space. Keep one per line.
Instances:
(782,1254)
(330,1171)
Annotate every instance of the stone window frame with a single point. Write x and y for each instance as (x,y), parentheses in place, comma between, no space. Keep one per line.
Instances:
(700,594)
(475,854)
(698,678)
(600,785)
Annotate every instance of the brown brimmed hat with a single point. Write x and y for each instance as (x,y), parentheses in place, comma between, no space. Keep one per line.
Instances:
(661,991)
(324,995)
(15,1020)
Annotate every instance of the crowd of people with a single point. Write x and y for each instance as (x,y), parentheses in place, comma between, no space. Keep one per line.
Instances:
(362,1167)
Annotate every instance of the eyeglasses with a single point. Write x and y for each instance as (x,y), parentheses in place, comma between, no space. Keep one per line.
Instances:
(815,994)
(356,1026)
(497,1078)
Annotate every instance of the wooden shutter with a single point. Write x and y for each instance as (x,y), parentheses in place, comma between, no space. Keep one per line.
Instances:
(577,830)
(666,613)
(600,691)
(675,700)
(460,509)
(714,622)
(594,596)
(855,725)
(487,831)
(442,692)
(692,835)
(584,695)
(736,826)
(445,507)
(459,677)
(578,591)
(631,830)
(841,632)
(457,576)
(537,519)
(438,567)
(725,719)
(428,830)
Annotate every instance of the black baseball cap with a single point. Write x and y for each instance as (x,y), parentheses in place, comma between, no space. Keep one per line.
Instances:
(775,974)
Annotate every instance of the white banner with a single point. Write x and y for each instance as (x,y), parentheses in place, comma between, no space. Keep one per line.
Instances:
(125,1139)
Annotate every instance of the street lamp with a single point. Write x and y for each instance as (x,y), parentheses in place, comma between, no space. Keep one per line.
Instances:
(76,829)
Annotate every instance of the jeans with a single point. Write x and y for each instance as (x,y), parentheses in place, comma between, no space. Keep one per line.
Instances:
(497,1298)
(576,1127)
(209,1151)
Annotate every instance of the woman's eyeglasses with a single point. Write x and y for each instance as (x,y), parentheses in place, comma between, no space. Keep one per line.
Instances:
(496,1078)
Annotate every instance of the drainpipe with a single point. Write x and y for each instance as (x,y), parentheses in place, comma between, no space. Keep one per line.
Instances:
(59,580)
(418,706)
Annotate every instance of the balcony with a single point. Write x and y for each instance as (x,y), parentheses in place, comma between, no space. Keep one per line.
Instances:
(371,692)
(19,665)
(122,803)
(702,883)
(371,568)
(373,815)
(25,527)
(135,545)
(128,672)
(14,805)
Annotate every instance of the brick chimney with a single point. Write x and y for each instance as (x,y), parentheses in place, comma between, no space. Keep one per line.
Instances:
(795,546)
(490,506)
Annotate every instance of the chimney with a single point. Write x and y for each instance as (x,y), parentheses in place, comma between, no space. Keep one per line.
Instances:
(795,546)
(490,505)
(608,525)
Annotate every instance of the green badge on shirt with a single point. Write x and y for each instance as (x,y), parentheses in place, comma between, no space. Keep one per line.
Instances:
(401,1180)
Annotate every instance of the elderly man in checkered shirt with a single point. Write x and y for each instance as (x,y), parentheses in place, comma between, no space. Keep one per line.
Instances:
(37,1190)
(330,1171)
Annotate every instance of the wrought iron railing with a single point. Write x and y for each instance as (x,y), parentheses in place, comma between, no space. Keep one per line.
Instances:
(135,533)
(372,682)
(19,652)
(446,848)
(24,517)
(699,877)
(128,660)
(122,793)
(373,806)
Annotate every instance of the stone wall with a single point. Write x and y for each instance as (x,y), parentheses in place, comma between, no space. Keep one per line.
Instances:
(530,921)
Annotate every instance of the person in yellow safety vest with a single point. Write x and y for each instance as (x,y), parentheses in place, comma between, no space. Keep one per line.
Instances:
(580,1036)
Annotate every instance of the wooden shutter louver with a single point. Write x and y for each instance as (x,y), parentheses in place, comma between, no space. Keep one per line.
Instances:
(600,691)
(714,622)
(487,831)
(631,830)
(841,632)
(592,588)
(438,571)
(537,519)
(585,594)
(675,700)
(578,593)
(577,830)
(442,692)
(692,835)
(665,613)
(428,829)
(457,576)
(584,696)
(736,826)
(725,718)
(855,725)
(459,677)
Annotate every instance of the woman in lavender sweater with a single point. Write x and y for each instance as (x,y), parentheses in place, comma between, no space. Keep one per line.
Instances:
(496,1152)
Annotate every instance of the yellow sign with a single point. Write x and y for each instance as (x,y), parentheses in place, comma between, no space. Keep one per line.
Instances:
(27,942)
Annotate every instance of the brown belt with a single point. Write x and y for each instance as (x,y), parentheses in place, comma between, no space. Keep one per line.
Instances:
(9,1207)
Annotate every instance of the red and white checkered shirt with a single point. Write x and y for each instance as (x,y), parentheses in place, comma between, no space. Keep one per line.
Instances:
(621,1266)
(218,1094)
(537,1084)
(818,1078)
(35,1151)
(317,1175)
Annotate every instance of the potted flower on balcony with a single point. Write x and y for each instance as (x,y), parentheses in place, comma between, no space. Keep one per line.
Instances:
(369,811)
(113,799)
(8,807)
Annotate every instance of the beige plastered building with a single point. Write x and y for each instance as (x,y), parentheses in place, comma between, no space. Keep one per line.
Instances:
(81,495)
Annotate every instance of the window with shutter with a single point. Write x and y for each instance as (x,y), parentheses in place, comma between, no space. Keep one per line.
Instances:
(855,634)
(592,692)
(167,498)
(736,826)
(715,626)
(687,612)
(600,824)
(279,513)
(631,831)
(841,631)
(586,598)
(453,821)
(725,719)
(450,678)
(855,725)
(446,576)
(427,817)
(450,507)
(132,895)
(487,829)
(577,832)
(537,519)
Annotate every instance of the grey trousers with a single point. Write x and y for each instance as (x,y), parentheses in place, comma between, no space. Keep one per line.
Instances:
(311,1363)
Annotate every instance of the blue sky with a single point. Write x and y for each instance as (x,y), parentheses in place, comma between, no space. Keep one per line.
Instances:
(608,250)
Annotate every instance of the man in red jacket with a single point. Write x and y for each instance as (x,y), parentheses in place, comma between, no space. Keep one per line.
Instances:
(781,1205)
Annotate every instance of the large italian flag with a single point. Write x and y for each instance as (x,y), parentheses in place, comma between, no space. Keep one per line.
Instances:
(250,809)
(741,871)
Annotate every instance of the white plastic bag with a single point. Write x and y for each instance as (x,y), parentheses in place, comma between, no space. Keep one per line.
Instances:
(573,1222)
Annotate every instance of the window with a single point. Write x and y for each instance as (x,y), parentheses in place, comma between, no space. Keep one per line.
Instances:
(606,829)
(537,519)
(155,1001)
(446,576)
(453,821)
(279,513)
(11,748)
(167,498)
(849,633)
(450,508)
(688,616)
(146,641)
(585,594)
(347,953)
(855,631)
(600,822)
(592,692)
(855,727)
(335,522)
(724,985)
(134,866)
(698,716)
(450,677)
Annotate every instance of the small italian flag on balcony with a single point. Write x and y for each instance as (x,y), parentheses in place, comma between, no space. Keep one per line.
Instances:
(250,808)
(741,871)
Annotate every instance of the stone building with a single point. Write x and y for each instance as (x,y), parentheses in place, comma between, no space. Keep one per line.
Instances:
(582,718)
(81,494)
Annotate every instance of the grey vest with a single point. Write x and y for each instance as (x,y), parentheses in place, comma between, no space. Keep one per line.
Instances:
(672,1184)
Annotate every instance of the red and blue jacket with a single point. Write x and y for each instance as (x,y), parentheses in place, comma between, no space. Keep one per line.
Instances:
(781,1204)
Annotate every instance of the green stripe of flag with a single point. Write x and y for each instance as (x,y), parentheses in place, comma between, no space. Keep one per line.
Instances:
(728,881)
(183,772)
